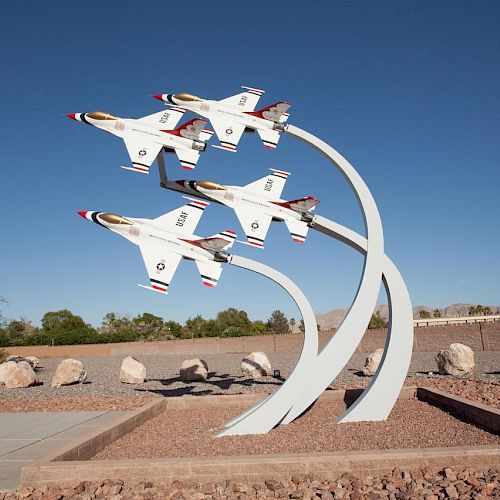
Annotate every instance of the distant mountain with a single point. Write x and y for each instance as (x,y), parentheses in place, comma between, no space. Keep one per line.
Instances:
(332,319)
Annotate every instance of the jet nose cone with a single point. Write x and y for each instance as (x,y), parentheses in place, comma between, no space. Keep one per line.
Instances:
(82,214)
(159,97)
(72,116)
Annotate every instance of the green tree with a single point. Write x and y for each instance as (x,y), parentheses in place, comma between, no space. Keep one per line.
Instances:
(278,323)
(195,327)
(64,328)
(424,314)
(259,328)
(302,327)
(233,318)
(174,328)
(487,311)
(437,313)
(377,322)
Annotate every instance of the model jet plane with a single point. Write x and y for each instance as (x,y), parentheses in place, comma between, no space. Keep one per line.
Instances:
(146,137)
(257,204)
(164,241)
(230,117)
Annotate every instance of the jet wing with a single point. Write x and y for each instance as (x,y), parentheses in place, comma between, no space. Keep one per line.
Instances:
(270,138)
(210,272)
(182,220)
(255,225)
(188,158)
(163,120)
(228,132)
(270,186)
(246,101)
(142,153)
(161,265)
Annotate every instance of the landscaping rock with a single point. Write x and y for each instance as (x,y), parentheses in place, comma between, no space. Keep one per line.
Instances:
(69,371)
(33,361)
(132,371)
(372,362)
(193,370)
(457,360)
(256,364)
(16,358)
(19,375)
(5,368)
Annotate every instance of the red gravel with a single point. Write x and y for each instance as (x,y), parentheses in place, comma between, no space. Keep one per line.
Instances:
(73,404)
(482,391)
(415,484)
(183,433)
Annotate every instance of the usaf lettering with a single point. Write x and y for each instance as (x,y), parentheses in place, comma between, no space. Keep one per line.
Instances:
(182,218)
(243,100)
(164,117)
(269,185)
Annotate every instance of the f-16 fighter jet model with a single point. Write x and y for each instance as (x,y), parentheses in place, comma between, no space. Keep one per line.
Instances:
(146,137)
(230,117)
(164,241)
(257,204)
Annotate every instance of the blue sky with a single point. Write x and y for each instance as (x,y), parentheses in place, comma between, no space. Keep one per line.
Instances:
(407,91)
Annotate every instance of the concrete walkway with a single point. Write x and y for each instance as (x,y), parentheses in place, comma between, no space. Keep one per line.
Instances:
(25,437)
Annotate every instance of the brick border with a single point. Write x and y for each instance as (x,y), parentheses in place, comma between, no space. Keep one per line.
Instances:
(70,464)
(88,446)
(258,467)
(483,416)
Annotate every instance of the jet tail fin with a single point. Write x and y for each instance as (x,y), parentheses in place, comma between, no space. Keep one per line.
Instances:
(190,130)
(300,205)
(276,112)
(217,242)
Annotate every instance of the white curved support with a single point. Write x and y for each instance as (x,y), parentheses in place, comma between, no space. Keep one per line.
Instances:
(377,400)
(300,391)
(279,403)
(342,346)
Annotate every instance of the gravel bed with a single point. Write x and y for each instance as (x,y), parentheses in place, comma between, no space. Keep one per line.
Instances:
(418,483)
(225,378)
(183,433)
(85,403)
(483,391)
(426,484)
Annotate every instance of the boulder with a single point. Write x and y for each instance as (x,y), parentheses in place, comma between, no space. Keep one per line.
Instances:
(5,368)
(32,360)
(69,371)
(16,358)
(372,362)
(193,370)
(457,360)
(256,364)
(18,375)
(132,371)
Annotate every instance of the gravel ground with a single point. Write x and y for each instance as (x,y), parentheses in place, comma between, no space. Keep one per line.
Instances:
(425,484)
(225,376)
(183,433)
(84,403)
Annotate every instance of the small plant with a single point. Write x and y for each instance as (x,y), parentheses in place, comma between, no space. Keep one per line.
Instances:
(3,355)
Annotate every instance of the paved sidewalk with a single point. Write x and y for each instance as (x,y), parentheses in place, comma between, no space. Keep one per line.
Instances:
(25,437)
